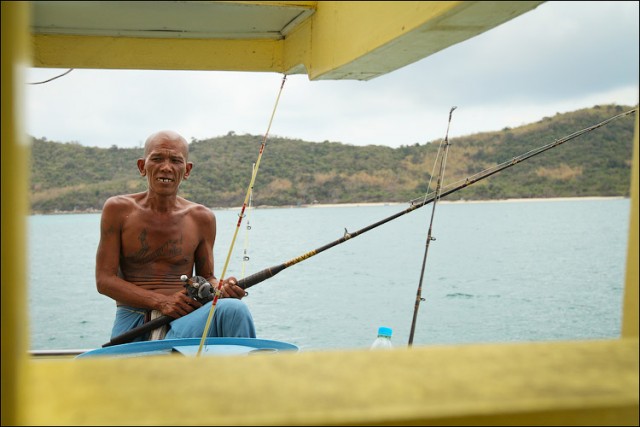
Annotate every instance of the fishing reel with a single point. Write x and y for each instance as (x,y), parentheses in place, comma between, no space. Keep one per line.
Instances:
(198,288)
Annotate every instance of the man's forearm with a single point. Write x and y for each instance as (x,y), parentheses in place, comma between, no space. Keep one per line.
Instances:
(127,293)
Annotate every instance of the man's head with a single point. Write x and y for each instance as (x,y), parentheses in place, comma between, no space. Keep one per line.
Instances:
(168,136)
(165,162)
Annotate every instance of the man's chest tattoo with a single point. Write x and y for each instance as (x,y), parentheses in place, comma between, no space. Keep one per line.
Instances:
(169,249)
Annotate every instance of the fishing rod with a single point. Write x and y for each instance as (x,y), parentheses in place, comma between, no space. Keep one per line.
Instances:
(267,273)
(417,203)
(436,196)
(254,173)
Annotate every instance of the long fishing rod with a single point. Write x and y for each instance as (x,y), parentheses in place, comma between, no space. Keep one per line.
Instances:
(436,196)
(260,276)
(269,272)
(254,173)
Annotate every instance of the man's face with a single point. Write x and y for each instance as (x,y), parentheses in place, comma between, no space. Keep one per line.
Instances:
(165,165)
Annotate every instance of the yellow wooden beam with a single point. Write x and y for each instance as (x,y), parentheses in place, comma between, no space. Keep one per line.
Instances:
(15,203)
(72,51)
(575,383)
(367,31)
(630,304)
(362,40)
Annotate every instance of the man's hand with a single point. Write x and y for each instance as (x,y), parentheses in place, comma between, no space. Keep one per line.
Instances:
(178,304)
(230,289)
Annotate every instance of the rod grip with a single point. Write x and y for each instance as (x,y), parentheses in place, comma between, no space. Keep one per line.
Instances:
(260,276)
(135,332)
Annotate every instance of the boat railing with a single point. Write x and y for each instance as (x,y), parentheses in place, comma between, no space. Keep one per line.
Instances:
(56,353)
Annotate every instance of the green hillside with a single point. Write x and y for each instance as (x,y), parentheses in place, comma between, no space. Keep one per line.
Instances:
(71,177)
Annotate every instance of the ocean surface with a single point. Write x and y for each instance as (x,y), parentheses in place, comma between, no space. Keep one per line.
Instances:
(496,272)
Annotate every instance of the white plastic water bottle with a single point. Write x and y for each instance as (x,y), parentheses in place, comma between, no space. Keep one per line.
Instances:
(384,339)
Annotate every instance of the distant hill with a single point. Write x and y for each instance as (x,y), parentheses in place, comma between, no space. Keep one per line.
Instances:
(71,177)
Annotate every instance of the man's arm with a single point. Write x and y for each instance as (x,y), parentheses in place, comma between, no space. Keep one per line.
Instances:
(204,265)
(205,222)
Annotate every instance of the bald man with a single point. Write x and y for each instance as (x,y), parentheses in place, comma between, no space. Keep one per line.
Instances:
(149,240)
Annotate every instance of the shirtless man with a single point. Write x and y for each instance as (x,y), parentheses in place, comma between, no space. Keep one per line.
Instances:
(149,240)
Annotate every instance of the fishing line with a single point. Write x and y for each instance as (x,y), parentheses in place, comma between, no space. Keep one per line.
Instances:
(240,216)
(245,257)
(52,78)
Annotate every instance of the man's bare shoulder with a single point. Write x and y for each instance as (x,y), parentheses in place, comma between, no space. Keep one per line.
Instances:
(123,202)
(199,211)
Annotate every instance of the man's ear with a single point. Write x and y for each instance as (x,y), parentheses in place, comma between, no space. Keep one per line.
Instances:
(188,170)
(141,167)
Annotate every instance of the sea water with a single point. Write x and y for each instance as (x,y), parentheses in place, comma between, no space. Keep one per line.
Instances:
(496,272)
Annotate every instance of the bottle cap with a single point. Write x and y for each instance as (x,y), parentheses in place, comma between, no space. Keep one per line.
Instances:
(383,330)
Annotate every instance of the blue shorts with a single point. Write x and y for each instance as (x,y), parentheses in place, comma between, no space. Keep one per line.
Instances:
(231,318)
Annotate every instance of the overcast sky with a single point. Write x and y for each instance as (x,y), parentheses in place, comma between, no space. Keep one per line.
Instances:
(559,57)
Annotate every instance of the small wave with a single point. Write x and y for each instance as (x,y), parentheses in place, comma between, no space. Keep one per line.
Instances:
(459,295)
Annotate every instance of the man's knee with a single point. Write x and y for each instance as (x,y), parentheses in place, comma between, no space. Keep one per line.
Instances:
(234,319)
(233,306)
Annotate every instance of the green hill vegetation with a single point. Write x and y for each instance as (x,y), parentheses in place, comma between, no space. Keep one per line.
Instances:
(71,177)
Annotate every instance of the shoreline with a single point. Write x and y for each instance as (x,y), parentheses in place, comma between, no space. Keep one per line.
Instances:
(539,199)
(365,204)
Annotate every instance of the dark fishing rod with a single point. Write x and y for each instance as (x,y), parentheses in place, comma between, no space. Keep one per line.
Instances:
(269,272)
(436,196)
